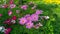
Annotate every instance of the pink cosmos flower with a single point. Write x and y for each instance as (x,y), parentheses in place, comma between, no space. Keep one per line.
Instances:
(17,11)
(29,25)
(0,15)
(22,21)
(12,5)
(28,17)
(38,12)
(34,17)
(7,31)
(9,12)
(24,7)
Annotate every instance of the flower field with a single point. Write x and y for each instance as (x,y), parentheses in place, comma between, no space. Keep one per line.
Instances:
(29,16)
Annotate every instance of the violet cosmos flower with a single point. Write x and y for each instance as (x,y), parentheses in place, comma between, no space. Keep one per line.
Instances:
(12,5)
(9,12)
(22,21)
(29,25)
(34,17)
(0,15)
(28,17)
(24,7)
(38,12)
(7,31)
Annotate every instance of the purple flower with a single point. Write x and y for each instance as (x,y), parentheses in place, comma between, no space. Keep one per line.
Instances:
(29,25)
(12,5)
(28,17)
(22,21)
(34,17)
(24,7)
(9,12)
(38,12)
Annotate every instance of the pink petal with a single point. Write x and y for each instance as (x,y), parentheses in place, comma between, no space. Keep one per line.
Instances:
(9,12)
(0,15)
